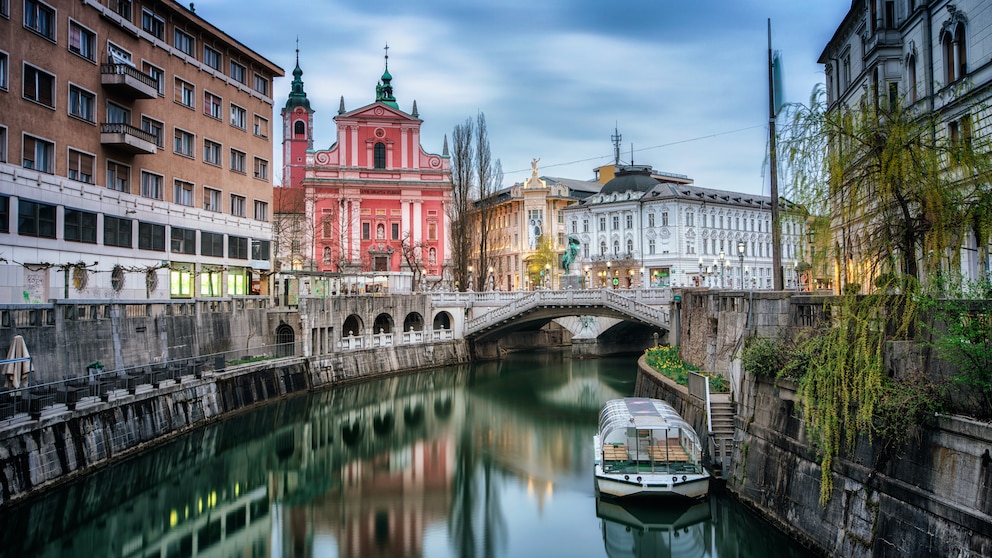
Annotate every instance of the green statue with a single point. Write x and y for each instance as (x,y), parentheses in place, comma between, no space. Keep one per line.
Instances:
(571,253)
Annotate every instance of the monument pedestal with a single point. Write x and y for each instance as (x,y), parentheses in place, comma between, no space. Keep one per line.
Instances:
(571,282)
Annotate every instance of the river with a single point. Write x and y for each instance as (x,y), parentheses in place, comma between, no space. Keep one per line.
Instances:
(488,460)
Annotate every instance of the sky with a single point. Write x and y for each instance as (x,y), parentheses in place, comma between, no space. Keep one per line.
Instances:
(684,83)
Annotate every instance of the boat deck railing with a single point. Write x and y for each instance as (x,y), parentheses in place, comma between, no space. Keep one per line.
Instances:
(618,458)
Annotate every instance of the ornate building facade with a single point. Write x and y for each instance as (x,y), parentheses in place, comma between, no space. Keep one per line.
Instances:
(375,201)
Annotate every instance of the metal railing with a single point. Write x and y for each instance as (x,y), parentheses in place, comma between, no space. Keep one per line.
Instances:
(102,384)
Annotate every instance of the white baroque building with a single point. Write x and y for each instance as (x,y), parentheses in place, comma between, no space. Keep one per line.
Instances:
(659,230)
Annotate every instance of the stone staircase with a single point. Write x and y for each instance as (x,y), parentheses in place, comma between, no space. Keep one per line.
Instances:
(722,412)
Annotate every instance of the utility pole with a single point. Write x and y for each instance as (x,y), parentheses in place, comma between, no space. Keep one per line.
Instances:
(773,174)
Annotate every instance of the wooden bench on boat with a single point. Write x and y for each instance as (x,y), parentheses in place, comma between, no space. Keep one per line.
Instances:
(615,452)
(671,453)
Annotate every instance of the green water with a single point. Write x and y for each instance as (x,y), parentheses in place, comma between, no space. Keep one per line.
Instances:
(490,460)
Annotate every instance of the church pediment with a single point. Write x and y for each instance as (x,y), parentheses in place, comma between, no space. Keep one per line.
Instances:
(377,111)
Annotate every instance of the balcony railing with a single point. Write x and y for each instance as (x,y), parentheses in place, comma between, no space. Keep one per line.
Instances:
(128,138)
(128,80)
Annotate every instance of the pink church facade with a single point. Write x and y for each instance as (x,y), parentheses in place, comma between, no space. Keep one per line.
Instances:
(376,198)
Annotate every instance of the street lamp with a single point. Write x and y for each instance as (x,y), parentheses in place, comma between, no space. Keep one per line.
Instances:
(470,278)
(588,277)
(609,272)
(723,265)
(547,276)
(740,253)
(492,279)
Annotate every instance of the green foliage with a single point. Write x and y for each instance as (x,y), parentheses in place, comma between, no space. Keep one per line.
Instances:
(961,333)
(666,361)
(904,407)
(763,356)
(845,379)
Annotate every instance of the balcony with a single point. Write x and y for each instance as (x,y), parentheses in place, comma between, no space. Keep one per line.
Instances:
(128,80)
(128,138)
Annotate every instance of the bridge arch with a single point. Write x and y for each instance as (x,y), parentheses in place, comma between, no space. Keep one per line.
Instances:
(442,320)
(383,324)
(413,322)
(352,326)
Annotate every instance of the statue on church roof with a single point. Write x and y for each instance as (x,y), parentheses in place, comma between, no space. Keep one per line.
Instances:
(533,165)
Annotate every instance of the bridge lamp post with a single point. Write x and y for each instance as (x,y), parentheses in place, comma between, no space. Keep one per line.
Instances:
(740,253)
(723,266)
(470,278)
(547,276)
(609,274)
(492,279)
(588,277)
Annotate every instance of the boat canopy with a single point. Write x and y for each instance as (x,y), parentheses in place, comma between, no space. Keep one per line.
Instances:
(619,415)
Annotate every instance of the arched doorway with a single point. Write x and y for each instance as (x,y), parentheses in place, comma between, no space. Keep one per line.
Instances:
(352,326)
(442,320)
(413,322)
(285,340)
(383,324)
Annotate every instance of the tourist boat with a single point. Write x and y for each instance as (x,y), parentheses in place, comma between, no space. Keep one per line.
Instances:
(644,448)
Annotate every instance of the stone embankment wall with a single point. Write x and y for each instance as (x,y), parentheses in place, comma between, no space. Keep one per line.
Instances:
(63,443)
(934,498)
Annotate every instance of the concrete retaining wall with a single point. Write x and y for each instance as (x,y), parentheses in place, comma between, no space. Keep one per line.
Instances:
(63,443)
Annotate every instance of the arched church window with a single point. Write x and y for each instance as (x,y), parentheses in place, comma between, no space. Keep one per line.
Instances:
(299,129)
(380,155)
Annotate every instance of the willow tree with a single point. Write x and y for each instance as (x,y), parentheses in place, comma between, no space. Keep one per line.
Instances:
(903,193)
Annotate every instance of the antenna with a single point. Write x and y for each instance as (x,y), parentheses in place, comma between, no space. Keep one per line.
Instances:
(616,138)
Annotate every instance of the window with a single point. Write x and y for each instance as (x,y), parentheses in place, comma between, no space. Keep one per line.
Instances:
(261,169)
(379,155)
(395,231)
(118,177)
(237,247)
(5,8)
(261,85)
(239,73)
(212,105)
(37,154)
(183,241)
(651,246)
(585,225)
(211,244)
(117,114)
(151,185)
(151,236)
(79,226)
(366,231)
(238,116)
(155,73)
(183,41)
(4,208)
(237,205)
(261,211)
(82,41)
(80,166)
(260,249)
(211,57)
(81,103)
(616,222)
(602,224)
(261,127)
(153,25)
(35,219)
(153,127)
(3,144)
(664,219)
(630,221)
(39,86)
(299,129)
(211,152)
(4,69)
(182,193)
(211,199)
(630,246)
(953,47)
(116,231)
(122,8)
(183,143)
(40,18)
(185,93)
(238,161)
(651,220)
(689,219)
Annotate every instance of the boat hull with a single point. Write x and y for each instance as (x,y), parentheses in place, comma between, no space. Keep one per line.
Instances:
(696,486)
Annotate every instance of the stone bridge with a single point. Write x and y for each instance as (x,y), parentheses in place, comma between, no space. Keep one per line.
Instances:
(494,313)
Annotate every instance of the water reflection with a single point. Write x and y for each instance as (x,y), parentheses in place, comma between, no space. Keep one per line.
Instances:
(484,461)
(641,528)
